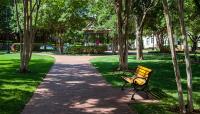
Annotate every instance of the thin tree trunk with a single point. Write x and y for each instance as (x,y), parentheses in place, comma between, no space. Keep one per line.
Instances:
(139,55)
(194,44)
(23,66)
(114,44)
(31,32)
(160,41)
(174,58)
(60,45)
(19,28)
(187,57)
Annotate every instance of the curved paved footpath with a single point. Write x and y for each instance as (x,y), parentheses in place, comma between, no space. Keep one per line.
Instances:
(73,87)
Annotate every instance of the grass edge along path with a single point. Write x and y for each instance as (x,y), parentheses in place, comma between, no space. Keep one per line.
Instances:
(16,89)
(162,80)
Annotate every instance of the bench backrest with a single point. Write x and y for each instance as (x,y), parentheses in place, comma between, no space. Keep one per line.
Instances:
(143,72)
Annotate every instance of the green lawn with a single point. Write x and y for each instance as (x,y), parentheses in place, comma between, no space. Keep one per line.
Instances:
(162,79)
(16,89)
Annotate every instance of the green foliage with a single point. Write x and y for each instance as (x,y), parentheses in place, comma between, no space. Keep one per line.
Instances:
(69,17)
(87,49)
(155,19)
(102,13)
(16,88)
(5,17)
(65,17)
(192,15)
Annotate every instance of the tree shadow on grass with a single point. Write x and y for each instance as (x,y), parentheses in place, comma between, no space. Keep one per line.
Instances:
(16,88)
(162,77)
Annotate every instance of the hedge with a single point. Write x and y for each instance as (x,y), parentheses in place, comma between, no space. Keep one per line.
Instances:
(86,49)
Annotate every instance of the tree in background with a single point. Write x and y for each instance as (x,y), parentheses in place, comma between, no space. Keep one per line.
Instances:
(192,22)
(67,25)
(103,16)
(6,16)
(140,9)
(155,25)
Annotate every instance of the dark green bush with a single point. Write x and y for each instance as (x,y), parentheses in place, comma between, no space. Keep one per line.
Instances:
(86,49)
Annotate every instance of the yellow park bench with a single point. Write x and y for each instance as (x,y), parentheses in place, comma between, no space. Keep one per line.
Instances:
(139,81)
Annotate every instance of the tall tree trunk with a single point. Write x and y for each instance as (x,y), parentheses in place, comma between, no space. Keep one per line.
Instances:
(187,57)
(139,41)
(174,58)
(27,37)
(126,29)
(23,66)
(122,29)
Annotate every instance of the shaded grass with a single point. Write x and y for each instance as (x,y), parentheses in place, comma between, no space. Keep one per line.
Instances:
(162,77)
(151,108)
(16,88)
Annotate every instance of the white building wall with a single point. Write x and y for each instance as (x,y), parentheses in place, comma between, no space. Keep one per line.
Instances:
(149,42)
(198,45)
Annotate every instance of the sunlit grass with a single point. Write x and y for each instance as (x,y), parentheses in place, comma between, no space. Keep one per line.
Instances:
(16,88)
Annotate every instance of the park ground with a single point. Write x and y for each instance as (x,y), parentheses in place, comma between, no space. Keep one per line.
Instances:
(17,89)
(162,82)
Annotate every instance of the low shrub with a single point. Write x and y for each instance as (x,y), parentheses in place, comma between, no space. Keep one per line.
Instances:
(86,49)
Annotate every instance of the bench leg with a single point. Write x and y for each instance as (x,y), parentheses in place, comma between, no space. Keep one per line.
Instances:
(147,91)
(132,97)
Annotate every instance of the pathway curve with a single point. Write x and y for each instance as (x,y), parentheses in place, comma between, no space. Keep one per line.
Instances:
(73,86)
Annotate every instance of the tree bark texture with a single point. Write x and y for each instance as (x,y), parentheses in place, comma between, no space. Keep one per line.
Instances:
(114,44)
(122,29)
(160,41)
(28,36)
(194,40)
(187,57)
(174,58)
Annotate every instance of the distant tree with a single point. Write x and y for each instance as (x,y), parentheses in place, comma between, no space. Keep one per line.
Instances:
(64,20)
(6,17)
(140,9)
(192,15)
(155,25)
(104,17)
(195,38)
